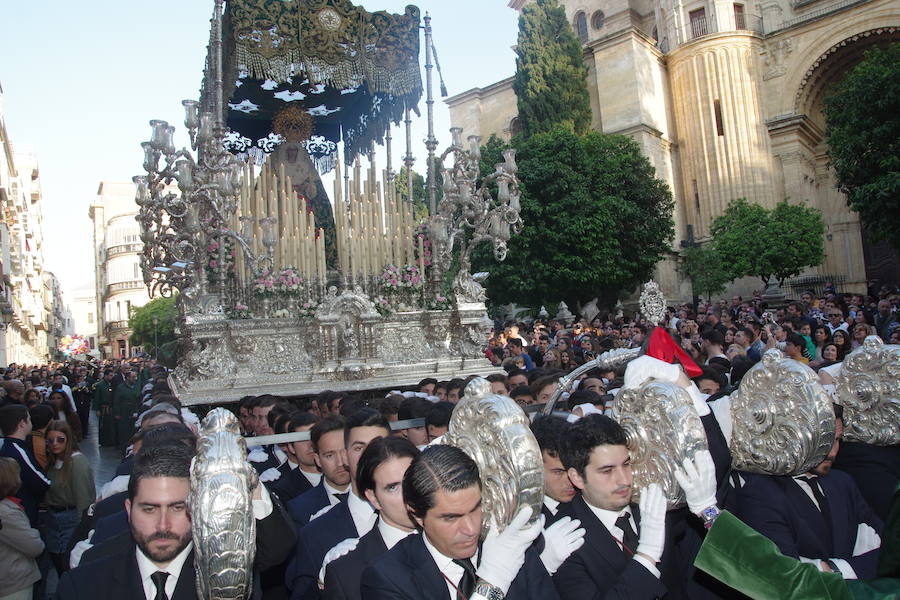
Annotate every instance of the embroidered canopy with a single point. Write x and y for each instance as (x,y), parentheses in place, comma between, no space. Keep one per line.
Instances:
(354,72)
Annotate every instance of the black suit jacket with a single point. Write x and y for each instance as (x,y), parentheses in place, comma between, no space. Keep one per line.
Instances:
(876,471)
(291,484)
(315,540)
(117,577)
(343,576)
(599,569)
(780,509)
(408,572)
(307,504)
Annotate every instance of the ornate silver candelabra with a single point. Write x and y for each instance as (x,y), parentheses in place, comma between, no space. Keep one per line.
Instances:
(469,214)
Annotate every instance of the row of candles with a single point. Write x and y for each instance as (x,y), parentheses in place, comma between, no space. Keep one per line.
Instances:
(374,228)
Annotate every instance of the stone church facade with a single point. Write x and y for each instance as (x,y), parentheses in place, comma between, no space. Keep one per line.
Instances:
(725,98)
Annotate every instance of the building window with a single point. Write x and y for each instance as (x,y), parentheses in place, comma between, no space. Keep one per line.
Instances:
(698,22)
(90,317)
(717,109)
(581,27)
(597,19)
(515,127)
(739,21)
(696,195)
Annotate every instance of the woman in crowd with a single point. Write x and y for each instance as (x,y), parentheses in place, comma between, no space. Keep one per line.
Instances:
(841,339)
(829,357)
(552,359)
(20,544)
(860,332)
(821,337)
(71,489)
(32,398)
(62,406)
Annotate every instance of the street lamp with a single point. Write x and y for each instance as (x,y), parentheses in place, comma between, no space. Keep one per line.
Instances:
(155,345)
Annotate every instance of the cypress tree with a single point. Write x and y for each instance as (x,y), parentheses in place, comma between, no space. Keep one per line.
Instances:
(551,78)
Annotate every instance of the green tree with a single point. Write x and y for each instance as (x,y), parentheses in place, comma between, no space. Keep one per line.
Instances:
(597,220)
(863,134)
(703,265)
(420,194)
(144,333)
(551,78)
(752,241)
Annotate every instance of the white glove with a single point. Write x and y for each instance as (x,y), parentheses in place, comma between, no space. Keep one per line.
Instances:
(700,404)
(337,551)
(698,480)
(646,367)
(653,522)
(503,553)
(560,540)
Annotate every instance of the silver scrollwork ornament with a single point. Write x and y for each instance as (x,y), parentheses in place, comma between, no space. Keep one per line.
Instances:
(868,387)
(783,422)
(663,429)
(496,434)
(222,521)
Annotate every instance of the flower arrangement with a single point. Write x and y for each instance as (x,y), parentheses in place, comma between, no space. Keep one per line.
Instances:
(398,278)
(288,281)
(212,258)
(73,344)
(239,311)
(308,308)
(422,232)
(439,302)
(264,285)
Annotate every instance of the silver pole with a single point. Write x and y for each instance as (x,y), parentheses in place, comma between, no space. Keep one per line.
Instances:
(431,142)
(409,159)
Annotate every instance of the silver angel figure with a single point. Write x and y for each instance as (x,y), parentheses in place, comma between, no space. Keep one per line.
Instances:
(223,525)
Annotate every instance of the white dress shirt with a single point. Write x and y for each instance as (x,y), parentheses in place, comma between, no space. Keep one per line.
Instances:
(330,492)
(452,572)
(609,518)
(364,516)
(391,535)
(174,568)
(551,504)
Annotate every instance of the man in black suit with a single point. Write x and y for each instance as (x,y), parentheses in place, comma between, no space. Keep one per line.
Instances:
(558,488)
(351,518)
(615,561)
(380,478)
(819,517)
(327,437)
(159,561)
(299,472)
(442,491)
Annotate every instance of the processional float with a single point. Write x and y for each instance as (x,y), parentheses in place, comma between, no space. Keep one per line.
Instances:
(280,288)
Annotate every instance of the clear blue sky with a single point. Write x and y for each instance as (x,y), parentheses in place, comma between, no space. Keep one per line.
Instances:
(81,80)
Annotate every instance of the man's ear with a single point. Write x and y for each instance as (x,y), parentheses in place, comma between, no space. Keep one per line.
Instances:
(370,496)
(576,478)
(128,507)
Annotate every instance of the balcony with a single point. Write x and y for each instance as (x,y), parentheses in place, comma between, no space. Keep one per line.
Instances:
(698,26)
(113,326)
(123,286)
(123,249)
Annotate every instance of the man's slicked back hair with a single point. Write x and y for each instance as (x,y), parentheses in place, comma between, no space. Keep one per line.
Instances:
(170,460)
(437,468)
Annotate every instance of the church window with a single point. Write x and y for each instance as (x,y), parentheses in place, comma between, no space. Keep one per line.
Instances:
(597,19)
(90,317)
(698,22)
(739,21)
(581,27)
(717,109)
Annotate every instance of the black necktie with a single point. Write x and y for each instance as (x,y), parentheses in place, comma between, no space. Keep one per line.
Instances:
(629,537)
(824,508)
(467,584)
(159,580)
(342,496)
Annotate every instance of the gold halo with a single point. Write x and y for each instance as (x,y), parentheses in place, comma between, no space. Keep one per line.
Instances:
(293,124)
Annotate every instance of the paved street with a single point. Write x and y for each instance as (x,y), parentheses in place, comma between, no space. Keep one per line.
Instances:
(103,460)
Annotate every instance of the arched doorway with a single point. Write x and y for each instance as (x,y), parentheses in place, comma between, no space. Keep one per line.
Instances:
(845,234)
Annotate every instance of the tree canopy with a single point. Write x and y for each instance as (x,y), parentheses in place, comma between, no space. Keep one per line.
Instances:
(144,333)
(597,220)
(863,134)
(420,194)
(752,241)
(706,269)
(551,78)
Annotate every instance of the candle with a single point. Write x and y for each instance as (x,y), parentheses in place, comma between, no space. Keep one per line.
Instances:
(421,257)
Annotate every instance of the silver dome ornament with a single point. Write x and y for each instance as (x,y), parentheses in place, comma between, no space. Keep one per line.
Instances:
(663,429)
(652,303)
(868,387)
(495,432)
(782,419)
(221,505)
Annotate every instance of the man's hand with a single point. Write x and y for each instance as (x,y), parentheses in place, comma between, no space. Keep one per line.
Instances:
(653,523)
(503,553)
(560,540)
(698,480)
